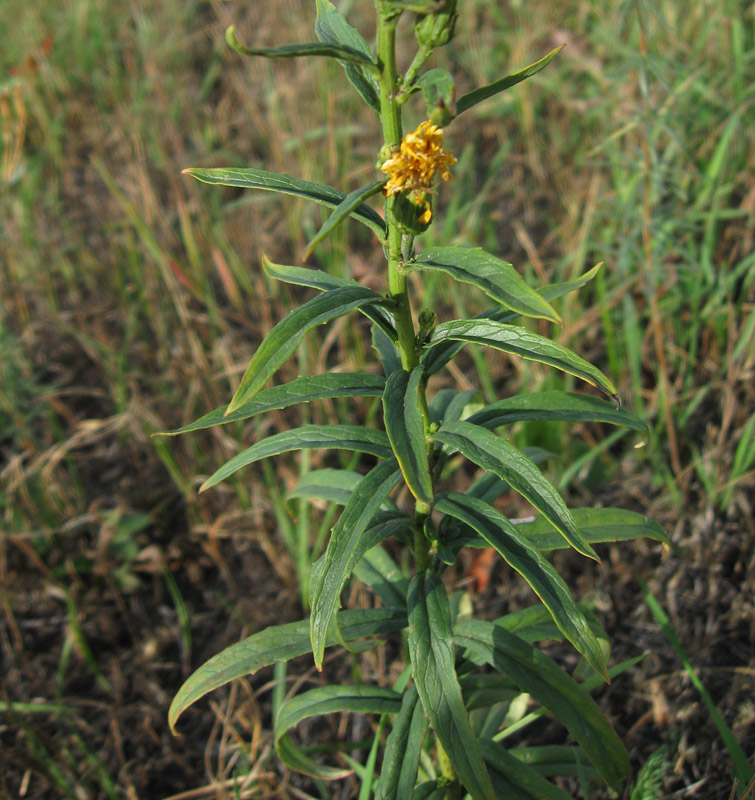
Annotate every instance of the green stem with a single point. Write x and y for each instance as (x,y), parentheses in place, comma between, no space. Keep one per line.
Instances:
(390,115)
(418,62)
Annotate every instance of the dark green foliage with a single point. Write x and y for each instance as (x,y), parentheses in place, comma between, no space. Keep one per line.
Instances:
(442,682)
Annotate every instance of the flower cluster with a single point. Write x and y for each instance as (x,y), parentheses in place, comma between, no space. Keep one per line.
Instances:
(413,168)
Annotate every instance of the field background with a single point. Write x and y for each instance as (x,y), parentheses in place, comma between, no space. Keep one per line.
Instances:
(132,299)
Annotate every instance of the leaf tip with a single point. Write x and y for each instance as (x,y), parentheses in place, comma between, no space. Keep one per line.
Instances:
(235,404)
(173,714)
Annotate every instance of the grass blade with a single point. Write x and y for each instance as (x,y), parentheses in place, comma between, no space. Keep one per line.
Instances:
(742,769)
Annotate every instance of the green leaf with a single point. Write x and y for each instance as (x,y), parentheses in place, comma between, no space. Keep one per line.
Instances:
(429,790)
(437,356)
(403,749)
(251,178)
(344,209)
(489,487)
(523,777)
(299,390)
(556,760)
(532,624)
(406,431)
(432,657)
(323,282)
(538,675)
(294,759)
(278,643)
(437,87)
(345,548)
(308,437)
(497,455)
(498,279)
(379,571)
(518,341)
(555,405)
(386,350)
(539,573)
(596,525)
(332,28)
(555,290)
(340,52)
(284,338)
(332,485)
(328,700)
(385,524)
(476,96)
(483,692)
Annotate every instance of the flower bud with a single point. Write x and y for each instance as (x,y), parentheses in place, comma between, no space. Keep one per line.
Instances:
(412,212)
(436,28)
(441,115)
(427,320)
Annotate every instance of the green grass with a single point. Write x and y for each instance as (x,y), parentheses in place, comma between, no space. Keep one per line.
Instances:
(132,297)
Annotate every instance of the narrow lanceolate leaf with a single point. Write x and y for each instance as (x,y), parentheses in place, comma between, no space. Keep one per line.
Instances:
(403,749)
(385,524)
(331,485)
(555,406)
(345,548)
(406,431)
(437,356)
(308,437)
(284,338)
(494,454)
(299,390)
(596,525)
(344,209)
(386,349)
(523,778)
(498,279)
(532,624)
(332,28)
(380,572)
(539,573)
(328,700)
(324,282)
(278,643)
(251,178)
(432,656)
(341,52)
(476,96)
(556,760)
(538,675)
(520,342)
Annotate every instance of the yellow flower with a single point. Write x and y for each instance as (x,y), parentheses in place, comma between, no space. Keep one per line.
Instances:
(413,168)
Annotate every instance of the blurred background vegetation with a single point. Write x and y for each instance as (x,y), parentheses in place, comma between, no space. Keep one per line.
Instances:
(132,299)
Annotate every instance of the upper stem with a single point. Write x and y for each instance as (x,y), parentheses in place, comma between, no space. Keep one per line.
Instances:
(390,115)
